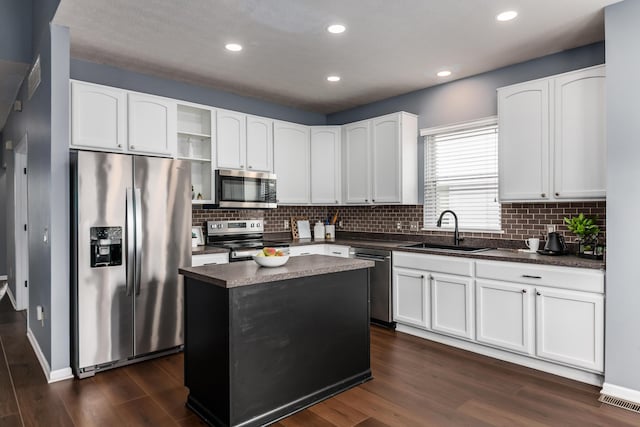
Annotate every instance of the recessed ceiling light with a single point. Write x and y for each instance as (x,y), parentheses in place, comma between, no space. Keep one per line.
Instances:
(507,16)
(333,78)
(336,28)
(444,73)
(233,47)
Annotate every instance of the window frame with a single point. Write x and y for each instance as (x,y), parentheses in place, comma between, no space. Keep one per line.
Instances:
(458,127)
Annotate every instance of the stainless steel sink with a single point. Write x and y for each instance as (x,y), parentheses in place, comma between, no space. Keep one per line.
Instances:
(435,246)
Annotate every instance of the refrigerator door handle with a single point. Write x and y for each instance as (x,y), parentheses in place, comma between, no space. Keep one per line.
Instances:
(138,254)
(130,242)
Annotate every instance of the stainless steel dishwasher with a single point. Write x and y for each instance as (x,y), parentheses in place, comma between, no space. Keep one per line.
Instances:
(379,285)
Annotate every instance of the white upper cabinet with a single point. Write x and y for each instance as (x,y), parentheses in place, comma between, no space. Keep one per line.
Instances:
(356,161)
(152,125)
(381,160)
(259,151)
(292,162)
(231,140)
(580,151)
(552,138)
(386,150)
(244,142)
(325,165)
(523,120)
(98,117)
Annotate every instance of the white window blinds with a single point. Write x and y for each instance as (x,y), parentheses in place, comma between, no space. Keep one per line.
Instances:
(461,174)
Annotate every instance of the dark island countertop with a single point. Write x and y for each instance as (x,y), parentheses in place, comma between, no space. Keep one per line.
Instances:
(249,273)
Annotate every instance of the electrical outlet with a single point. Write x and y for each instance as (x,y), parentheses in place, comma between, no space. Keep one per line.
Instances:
(551,228)
(398,225)
(413,225)
(40,314)
(286,224)
(340,224)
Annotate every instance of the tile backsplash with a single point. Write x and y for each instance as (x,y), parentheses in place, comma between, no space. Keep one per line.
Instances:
(519,220)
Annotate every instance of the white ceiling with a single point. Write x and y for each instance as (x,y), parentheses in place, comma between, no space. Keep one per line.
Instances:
(390,46)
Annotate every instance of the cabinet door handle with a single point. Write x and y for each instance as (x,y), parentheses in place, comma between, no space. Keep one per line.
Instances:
(336,202)
(119,145)
(373,200)
(524,291)
(211,263)
(527,276)
(557,194)
(543,195)
(132,147)
(366,200)
(538,293)
(249,167)
(241,166)
(336,253)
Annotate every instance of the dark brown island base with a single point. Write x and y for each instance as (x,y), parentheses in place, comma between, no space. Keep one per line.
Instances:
(263,343)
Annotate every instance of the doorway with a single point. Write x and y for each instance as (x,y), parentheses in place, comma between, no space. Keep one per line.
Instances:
(21,223)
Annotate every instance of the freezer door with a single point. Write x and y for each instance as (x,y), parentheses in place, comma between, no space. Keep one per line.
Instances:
(163,189)
(104,312)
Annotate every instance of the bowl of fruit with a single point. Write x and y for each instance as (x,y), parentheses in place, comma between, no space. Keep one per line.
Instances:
(271,257)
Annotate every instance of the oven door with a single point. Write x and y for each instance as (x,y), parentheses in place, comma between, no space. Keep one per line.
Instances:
(243,189)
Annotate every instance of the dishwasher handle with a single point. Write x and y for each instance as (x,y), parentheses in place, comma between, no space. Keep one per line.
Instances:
(376,258)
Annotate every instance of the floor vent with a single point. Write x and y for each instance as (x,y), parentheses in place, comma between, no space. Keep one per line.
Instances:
(620,403)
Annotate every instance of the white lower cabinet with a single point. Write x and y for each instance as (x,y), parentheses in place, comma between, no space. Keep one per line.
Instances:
(547,313)
(320,249)
(570,327)
(411,297)
(452,305)
(209,259)
(504,315)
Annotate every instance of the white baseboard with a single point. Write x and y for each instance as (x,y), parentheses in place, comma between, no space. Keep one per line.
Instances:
(51,376)
(530,362)
(621,392)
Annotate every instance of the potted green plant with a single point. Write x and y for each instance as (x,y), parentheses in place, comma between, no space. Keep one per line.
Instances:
(586,229)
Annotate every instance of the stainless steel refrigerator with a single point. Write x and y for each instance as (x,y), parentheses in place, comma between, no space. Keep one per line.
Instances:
(132,231)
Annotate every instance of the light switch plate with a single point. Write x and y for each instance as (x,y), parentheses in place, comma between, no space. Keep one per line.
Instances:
(551,228)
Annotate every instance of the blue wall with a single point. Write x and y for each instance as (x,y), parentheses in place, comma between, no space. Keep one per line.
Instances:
(622,344)
(472,97)
(15,31)
(118,77)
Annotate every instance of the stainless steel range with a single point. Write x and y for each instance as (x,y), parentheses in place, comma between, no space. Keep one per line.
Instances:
(242,237)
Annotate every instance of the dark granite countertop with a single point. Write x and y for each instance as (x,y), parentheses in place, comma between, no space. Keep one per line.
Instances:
(205,250)
(512,255)
(249,273)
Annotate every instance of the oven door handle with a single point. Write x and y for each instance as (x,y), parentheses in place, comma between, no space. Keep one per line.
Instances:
(242,254)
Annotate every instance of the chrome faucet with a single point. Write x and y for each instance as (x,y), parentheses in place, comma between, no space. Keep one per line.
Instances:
(456,235)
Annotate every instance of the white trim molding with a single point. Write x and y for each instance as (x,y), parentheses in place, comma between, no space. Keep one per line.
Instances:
(12,298)
(530,362)
(51,376)
(621,392)
(487,121)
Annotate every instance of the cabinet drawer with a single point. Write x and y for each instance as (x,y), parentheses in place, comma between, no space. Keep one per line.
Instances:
(306,250)
(434,263)
(207,259)
(542,275)
(337,250)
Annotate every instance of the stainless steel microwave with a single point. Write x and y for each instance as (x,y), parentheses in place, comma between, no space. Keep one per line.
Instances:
(245,189)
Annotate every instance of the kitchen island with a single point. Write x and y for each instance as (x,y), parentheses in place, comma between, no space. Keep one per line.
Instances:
(263,343)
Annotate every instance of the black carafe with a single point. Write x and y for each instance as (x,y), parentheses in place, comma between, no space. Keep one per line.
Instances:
(555,243)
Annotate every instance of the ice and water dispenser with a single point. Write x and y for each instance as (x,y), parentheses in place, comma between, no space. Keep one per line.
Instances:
(106,246)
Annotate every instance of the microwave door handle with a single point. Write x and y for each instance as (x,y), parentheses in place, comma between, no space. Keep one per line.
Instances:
(130,242)
(138,220)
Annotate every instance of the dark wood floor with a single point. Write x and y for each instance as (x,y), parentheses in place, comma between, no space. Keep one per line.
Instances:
(417,383)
